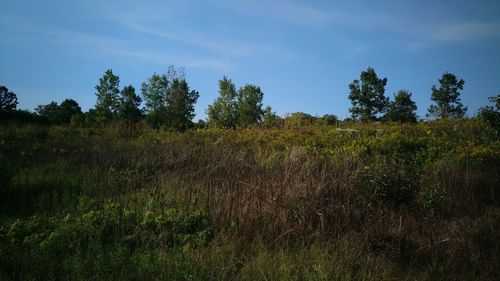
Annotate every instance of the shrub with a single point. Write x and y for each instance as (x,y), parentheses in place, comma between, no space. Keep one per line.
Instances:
(389,181)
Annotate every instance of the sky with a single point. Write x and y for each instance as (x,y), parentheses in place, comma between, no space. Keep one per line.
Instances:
(303,54)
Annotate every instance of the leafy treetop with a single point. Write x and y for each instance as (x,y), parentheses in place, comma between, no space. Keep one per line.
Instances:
(447,98)
(367,96)
(8,100)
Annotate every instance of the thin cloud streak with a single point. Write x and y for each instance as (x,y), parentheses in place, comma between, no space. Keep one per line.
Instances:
(71,43)
(437,34)
(467,30)
(285,11)
(197,40)
(223,47)
(419,33)
(186,61)
(117,47)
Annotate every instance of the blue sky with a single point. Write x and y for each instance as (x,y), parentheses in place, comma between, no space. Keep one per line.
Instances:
(303,54)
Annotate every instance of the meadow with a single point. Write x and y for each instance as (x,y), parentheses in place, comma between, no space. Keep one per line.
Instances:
(289,201)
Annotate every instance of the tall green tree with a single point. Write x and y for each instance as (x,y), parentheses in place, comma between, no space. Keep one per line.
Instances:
(8,100)
(59,114)
(68,109)
(107,97)
(223,112)
(367,96)
(155,92)
(446,98)
(129,105)
(250,105)
(50,112)
(402,109)
(180,105)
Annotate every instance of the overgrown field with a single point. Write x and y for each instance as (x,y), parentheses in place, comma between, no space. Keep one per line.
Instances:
(318,202)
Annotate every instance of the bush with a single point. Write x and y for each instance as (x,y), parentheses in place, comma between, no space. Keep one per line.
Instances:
(389,181)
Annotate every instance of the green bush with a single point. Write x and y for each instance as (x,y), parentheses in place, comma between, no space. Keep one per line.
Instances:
(52,246)
(389,181)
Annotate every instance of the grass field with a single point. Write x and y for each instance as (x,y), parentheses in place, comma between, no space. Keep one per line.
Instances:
(289,202)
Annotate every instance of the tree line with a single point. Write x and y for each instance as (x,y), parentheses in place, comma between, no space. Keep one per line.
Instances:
(369,102)
(169,102)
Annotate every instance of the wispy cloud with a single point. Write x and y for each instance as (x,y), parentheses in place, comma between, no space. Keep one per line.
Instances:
(170,20)
(225,47)
(466,30)
(69,40)
(413,32)
(287,11)
(73,43)
(186,61)
(121,48)
(437,34)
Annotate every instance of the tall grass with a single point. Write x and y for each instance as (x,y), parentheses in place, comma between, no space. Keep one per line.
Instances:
(314,202)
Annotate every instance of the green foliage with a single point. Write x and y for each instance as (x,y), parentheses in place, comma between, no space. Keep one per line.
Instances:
(432,198)
(86,244)
(158,118)
(307,201)
(223,112)
(490,114)
(20,117)
(367,96)
(269,116)
(77,120)
(238,108)
(8,100)
(298,119)
(91,117)
(129,105)
(447,98)
(107,92)
(402,109)
(303,119)
(68,109)
(31,190)
(169,102)
(389,181)
(180,105)
(49,111)
(155,92)
(330,119)
(496,101)
(250,105)
(59,114)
